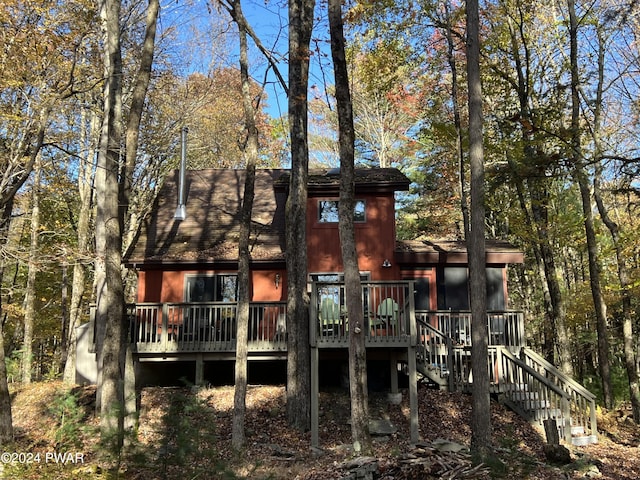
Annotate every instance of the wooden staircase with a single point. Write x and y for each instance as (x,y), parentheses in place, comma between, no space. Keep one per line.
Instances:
(520,378)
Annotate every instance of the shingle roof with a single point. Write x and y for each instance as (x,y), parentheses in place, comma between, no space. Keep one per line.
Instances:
(454,251)
(327,181)
(210,230)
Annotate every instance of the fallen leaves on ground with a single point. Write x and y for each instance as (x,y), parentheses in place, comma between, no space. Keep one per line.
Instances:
(185,433)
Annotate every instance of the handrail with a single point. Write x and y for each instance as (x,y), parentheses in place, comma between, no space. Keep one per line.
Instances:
(550,368)
(174,327)
(505,327)
(538,397)
(534,373)
(583,401)
(434,362)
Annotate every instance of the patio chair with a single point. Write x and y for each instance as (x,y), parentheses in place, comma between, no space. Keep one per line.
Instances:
(329,316)
(387,315)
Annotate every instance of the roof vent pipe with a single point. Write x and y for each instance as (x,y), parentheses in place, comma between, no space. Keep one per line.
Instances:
(181,210)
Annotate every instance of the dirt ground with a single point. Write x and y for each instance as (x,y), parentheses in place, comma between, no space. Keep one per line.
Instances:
(186,434)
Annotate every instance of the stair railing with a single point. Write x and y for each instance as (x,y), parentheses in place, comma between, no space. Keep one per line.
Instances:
(531,394)
(583,402)
(434,352)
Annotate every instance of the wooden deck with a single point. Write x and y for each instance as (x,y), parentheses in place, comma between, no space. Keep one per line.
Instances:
(435,345)
(390,317)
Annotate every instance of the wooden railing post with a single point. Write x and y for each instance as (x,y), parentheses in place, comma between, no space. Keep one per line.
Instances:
(593,422)
(413,328)
(314,319)
(566,419)
(450,364)
(164,334)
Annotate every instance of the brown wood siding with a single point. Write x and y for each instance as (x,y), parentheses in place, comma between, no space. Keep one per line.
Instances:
(375,238)
(168,285)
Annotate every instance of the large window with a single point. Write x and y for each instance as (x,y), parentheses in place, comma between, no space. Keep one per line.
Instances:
(211,288)
(453,289)
(328,211)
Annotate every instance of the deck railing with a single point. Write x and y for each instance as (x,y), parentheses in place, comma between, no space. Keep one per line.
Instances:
(388,314)
(505,328)
(444,344)
(204,327)
(524,380)
(390,320)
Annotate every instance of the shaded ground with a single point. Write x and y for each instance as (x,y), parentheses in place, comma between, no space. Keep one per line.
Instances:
(186,435)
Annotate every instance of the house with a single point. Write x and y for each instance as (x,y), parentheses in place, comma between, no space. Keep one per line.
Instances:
(415,293)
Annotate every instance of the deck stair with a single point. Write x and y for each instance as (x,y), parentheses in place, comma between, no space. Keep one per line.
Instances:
(523,381)
(433,359)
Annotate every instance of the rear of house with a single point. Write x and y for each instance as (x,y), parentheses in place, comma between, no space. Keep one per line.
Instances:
(415,293)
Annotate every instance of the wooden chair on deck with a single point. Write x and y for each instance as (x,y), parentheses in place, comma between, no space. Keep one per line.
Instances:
(387,316)
(329,316)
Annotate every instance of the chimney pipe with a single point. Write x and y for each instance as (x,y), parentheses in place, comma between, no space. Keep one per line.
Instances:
(181,210)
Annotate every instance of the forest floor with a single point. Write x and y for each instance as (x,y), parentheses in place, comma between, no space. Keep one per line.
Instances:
(186,434)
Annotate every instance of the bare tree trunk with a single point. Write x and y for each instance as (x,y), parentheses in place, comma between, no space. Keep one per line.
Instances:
(244,273)
(451,59)
(585,194)
(481,412)
(110,298)
(555,333)
(134,118)
(86,172)
(353,289)
(298,348)
(6,419)
(630,360)
(20,159)
(30,290)
(556,330)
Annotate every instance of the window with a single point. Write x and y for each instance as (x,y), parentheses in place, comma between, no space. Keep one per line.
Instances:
(453,288)
(328,211)
(211,288)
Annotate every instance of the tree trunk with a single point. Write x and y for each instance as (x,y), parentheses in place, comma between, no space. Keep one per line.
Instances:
(110,298)
(480,404)
(244,274)
(554,324)
(353,289)
(630,358)
(555,331)
(457,122)
(19,165)
(585,194)
(6,420)
(86,173)
(134,117)
(298,348)
(30,290)
(627,309)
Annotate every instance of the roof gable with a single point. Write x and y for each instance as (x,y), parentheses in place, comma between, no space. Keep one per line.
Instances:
(211,228)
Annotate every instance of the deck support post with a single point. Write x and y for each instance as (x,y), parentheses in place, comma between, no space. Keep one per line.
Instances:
(199,369)
(413,395)
(315,397)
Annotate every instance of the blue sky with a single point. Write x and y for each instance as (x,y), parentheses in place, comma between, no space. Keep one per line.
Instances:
(205,41)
